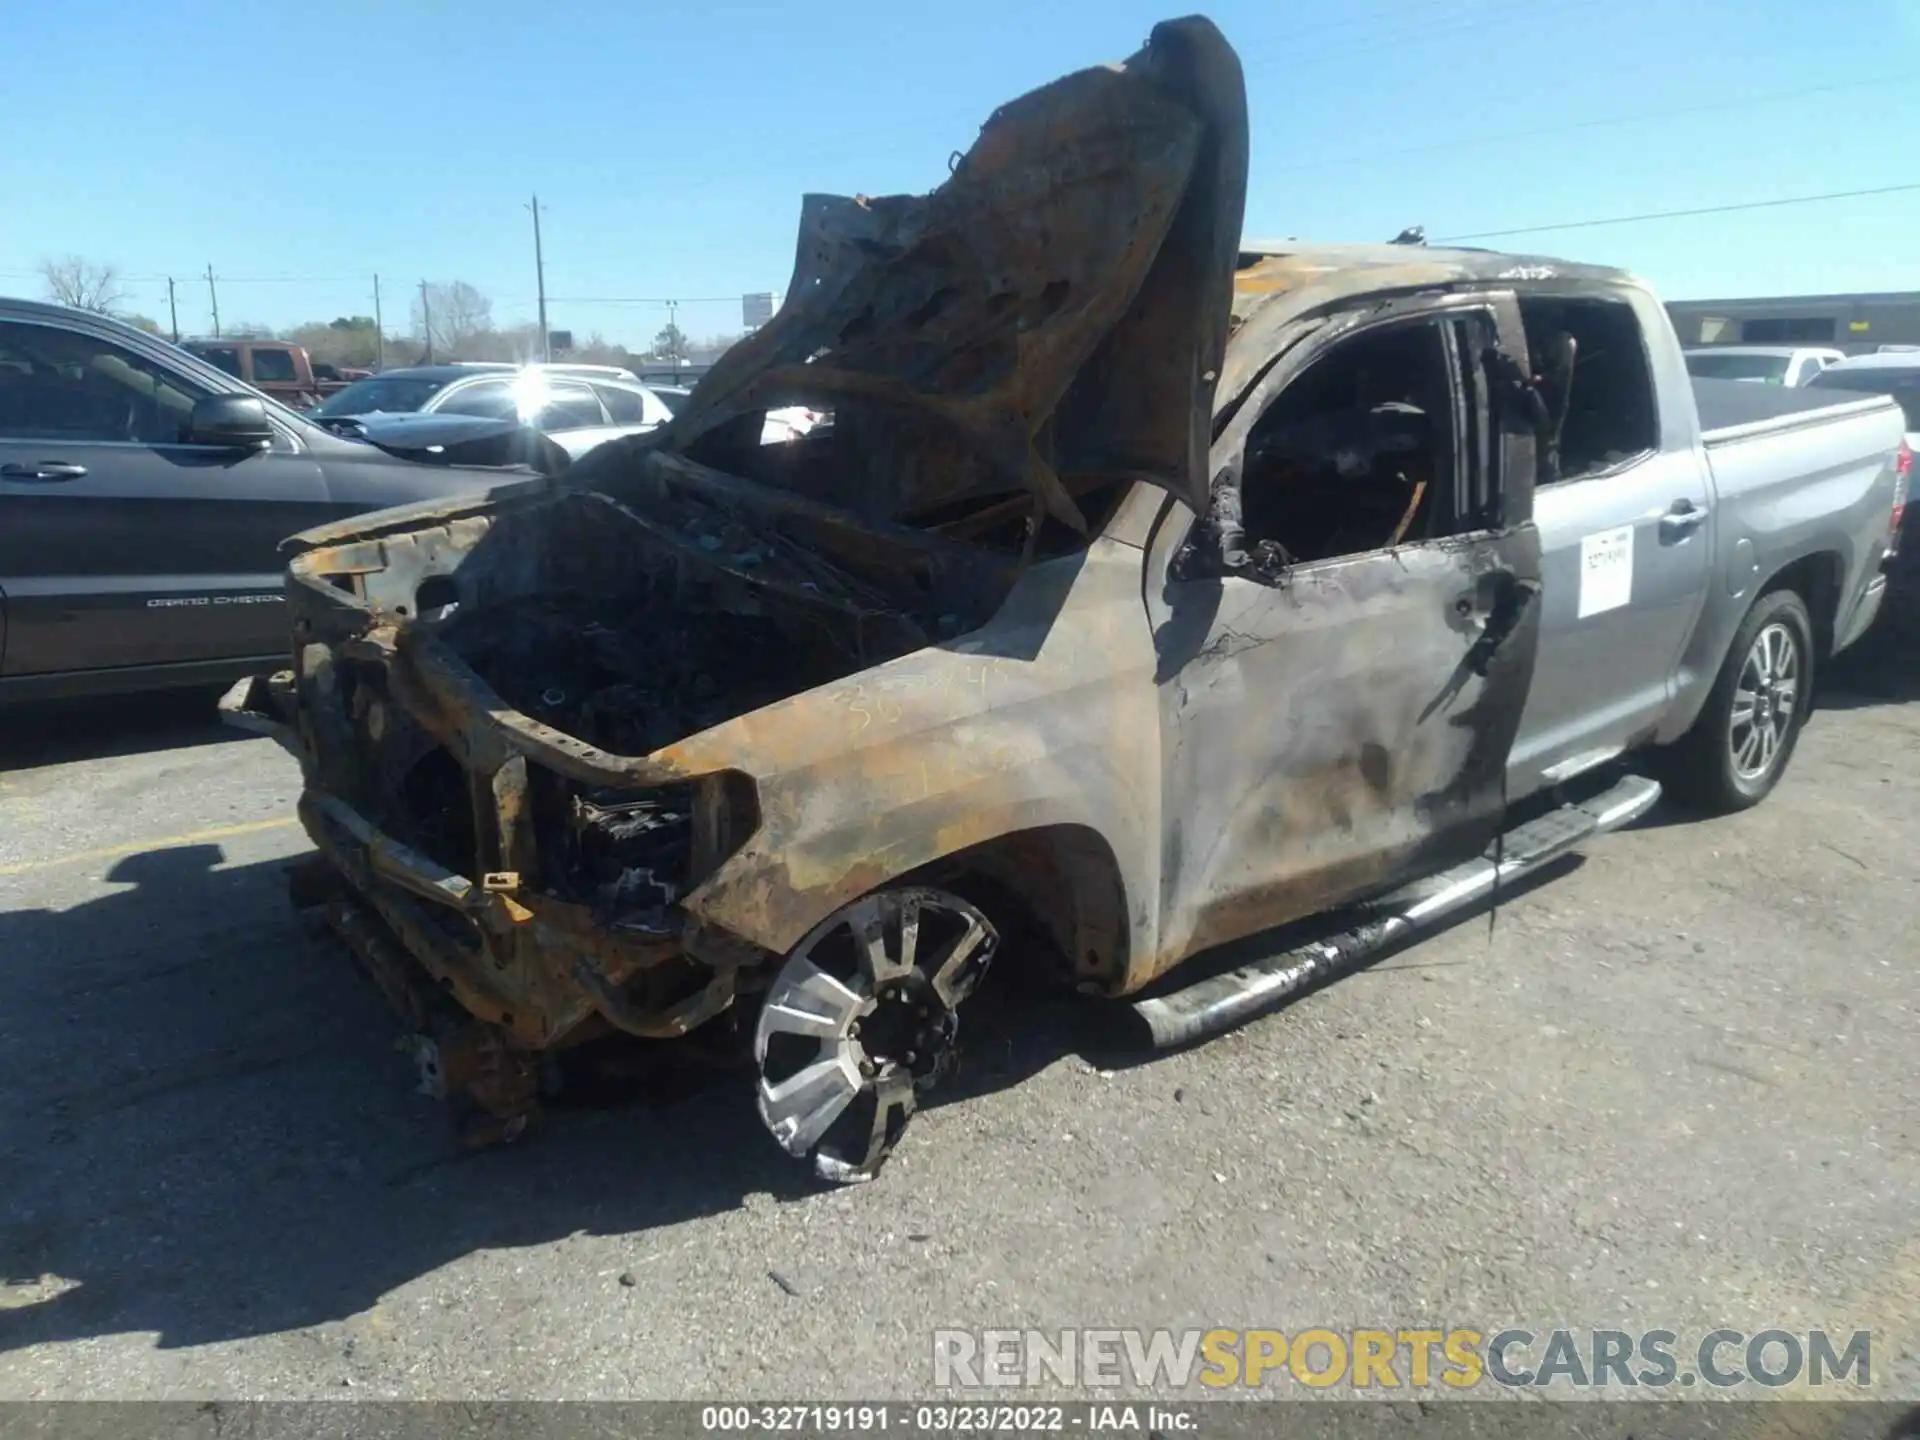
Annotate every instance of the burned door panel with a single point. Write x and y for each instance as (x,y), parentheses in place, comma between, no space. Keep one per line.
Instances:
(1340,684)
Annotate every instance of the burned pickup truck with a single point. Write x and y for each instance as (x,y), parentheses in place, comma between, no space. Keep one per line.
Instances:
(1148,590)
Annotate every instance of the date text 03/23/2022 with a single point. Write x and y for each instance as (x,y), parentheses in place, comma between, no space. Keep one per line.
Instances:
(947,1418)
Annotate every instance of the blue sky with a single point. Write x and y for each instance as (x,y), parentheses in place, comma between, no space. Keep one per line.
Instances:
(301,148)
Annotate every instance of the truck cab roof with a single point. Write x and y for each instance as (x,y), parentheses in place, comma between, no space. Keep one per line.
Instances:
(1273,267)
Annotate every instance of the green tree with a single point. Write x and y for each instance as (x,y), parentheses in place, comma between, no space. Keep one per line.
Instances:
(670,343)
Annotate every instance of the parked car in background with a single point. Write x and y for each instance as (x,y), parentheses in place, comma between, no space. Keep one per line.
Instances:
(273,367)
(344,374)
(1789,365)
(144,494)
(790,422)
(579,406)
(1894,371)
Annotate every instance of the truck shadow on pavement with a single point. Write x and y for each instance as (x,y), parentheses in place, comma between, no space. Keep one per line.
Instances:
(209,1135)
(60,732)
(1883,666)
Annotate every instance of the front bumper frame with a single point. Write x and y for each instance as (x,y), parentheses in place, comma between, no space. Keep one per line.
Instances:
(538,968)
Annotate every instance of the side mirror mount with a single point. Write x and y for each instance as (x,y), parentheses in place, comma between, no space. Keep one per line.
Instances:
(233,422)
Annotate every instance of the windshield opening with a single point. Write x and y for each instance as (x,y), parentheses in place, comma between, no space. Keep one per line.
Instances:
(390,393)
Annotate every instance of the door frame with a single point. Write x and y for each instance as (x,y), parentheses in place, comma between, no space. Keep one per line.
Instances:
(1494,474)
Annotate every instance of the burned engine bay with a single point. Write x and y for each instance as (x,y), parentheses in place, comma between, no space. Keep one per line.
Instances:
(476,705)
(491,697)
(628,627)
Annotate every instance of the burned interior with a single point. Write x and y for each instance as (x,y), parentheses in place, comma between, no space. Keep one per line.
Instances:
(1591,364)
(1357,453)
(1381,440)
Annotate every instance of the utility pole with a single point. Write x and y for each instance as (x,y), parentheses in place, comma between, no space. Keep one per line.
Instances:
(673,335)
(213,295)
(540,279)
(426,320)
(379,328)
(173,312)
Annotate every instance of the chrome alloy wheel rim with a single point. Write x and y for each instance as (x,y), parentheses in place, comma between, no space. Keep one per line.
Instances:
(1766,699)
(861,1017)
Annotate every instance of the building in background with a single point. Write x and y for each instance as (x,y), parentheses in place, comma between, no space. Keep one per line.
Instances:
(1858,324)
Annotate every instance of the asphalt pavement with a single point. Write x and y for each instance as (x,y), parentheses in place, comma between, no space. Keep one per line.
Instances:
(1673,1086)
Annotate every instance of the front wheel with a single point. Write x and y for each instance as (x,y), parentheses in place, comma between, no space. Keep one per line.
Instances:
(1739,746)
(861,1018)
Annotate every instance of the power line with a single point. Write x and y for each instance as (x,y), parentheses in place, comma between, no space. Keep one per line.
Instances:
(1599,122)
(1680,214)
(640,300)
(286,279)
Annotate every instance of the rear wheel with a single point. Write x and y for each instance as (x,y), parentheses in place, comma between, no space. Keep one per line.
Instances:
(1740,745)
(862,1018)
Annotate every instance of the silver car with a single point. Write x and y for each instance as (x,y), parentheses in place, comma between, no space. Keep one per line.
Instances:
(579,407)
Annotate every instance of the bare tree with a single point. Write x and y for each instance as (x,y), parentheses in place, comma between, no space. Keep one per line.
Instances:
(83,284)
(455,315)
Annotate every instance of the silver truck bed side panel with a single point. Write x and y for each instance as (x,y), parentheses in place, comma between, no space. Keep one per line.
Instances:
(1809,483)
(1737,409)
(1782,475)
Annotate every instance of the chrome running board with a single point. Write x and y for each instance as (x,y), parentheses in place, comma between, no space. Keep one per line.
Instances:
(1219,1002)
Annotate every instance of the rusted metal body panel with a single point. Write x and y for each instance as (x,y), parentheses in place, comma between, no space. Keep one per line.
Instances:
(595,753)
(1325,738)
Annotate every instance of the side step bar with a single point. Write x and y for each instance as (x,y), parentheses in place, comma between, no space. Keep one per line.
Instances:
(1220,1002)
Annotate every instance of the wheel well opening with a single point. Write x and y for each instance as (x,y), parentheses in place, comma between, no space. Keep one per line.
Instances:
(1056,886)
(1816,579)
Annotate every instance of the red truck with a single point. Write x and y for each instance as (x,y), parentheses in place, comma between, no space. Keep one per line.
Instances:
(276,367)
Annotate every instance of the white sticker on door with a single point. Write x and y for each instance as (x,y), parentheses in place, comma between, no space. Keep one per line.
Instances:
(1606,570)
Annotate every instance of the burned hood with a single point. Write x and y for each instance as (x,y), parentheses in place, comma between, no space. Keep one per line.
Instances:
(1051,317)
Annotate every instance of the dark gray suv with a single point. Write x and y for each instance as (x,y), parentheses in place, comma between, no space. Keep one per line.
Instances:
(144,495)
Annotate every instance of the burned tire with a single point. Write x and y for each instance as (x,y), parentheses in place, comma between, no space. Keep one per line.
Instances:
(1744,736)
(862,1018)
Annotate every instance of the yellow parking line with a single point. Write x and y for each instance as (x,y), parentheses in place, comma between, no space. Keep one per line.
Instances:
(162,842)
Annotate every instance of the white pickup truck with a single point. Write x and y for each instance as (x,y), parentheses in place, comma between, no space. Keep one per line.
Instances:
(1789,365)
